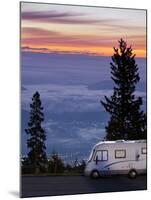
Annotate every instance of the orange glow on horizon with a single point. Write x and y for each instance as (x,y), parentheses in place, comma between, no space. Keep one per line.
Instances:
(66,29)
(40,40)
(98,51)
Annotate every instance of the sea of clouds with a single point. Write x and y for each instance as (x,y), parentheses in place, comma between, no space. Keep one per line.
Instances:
(71,87)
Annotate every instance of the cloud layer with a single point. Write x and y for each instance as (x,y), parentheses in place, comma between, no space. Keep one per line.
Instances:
(71,87)
(79,29)
(54,16)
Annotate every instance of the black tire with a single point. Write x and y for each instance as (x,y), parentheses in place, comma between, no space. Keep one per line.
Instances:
(95,174)
(132,174)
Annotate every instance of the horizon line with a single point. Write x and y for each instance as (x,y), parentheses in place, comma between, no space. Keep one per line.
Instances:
(45,51)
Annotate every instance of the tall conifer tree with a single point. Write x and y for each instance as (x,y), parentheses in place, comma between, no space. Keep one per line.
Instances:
(127,120)
(37,135)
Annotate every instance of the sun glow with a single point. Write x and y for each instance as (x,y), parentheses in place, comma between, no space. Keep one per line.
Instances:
(81,30)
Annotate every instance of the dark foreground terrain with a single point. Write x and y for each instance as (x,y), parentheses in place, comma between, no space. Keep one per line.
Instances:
(33,186)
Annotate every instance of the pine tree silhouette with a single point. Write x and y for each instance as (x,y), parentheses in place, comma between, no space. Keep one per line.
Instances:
(127,121)
(37,136)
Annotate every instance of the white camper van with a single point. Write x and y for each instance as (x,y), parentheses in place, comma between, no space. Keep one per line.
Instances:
(117,157)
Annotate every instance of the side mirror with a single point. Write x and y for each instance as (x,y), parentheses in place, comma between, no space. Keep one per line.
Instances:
(96,161)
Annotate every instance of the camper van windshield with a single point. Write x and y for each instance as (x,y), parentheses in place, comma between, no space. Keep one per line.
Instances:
(91,154)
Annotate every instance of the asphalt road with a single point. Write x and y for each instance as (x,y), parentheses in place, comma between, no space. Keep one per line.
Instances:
(68,185)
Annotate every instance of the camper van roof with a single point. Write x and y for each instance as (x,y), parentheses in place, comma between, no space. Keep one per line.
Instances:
(120,141)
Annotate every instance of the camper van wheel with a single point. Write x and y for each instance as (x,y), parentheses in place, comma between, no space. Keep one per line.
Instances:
(95,174)
(132,174)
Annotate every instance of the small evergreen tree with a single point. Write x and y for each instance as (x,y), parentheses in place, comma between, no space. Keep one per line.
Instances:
(55,164)
(127,121)
(68,167)
(37,136)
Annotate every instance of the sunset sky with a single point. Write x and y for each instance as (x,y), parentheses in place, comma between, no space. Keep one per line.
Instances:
(81,30)
(73,72)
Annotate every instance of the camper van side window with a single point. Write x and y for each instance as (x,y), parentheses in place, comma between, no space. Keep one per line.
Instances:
(102,155)
(120,153)
(143,150)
